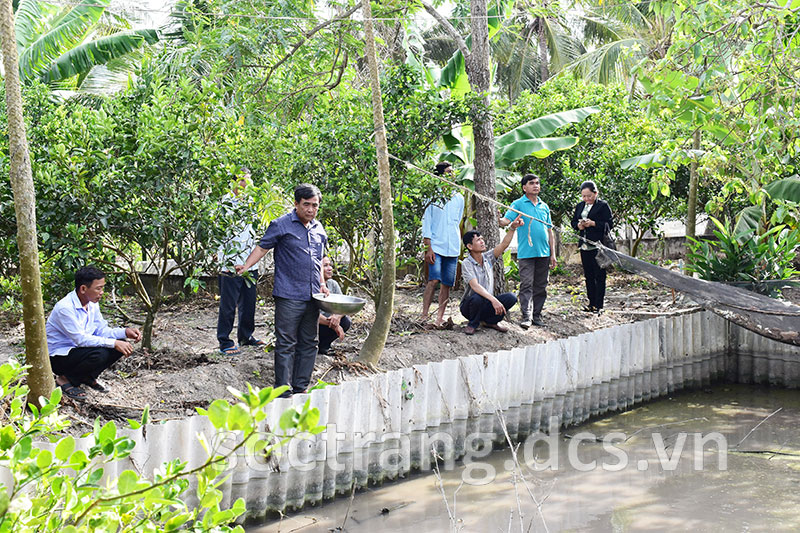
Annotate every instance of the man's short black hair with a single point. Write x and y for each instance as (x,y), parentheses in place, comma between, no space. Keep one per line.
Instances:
(86,276)
(529,177)
(304,191)
(470,236)
(442,167)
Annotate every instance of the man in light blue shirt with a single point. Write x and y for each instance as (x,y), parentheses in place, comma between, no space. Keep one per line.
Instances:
(536,252)
(80,342)
(442,237)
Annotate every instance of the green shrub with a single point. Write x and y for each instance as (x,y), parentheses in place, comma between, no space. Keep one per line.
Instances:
(61,490)
(745,256)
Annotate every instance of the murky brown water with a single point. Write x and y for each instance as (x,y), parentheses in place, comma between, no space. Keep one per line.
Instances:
(662,478)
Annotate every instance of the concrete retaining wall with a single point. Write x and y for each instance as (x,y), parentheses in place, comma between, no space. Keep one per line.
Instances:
(384,426)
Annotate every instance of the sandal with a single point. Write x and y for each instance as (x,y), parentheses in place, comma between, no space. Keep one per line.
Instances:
(230,350)
(73,391)
(96,385)
(254,342)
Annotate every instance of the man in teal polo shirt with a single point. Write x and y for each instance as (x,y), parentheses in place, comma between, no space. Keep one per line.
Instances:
(535,250)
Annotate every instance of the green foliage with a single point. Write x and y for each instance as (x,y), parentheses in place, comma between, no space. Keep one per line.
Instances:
(735,85)
(510,267)
(619,35)
(135,183)
(745,255)
(269,58)
(525,140)
(11,295)
(55,43)
(63,489)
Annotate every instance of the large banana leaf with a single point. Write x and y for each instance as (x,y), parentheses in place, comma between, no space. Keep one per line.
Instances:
(528,139)
(785,189)
(651,160)
(454,68)
(748,220)
(28,18)
(539,148)
(69,32)
(82,58)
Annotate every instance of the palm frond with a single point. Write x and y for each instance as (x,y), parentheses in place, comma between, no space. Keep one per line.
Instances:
(81,59)
(628,13)
(600,30)
(70,31)
(27,21)
(567,49)
(517,59)
(606,64)
(440,49)
(102,80)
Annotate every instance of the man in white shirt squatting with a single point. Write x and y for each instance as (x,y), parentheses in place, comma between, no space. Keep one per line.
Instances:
(80,342)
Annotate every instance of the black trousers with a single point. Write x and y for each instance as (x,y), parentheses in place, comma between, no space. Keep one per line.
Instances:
(595,278)
(235,291)
(478,309)
(328,335)
(296,325)
(84,365)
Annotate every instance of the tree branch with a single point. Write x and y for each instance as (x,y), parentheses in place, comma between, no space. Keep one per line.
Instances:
(306,36)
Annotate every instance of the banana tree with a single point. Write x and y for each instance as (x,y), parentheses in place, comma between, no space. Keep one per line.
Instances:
(523,141)
(57,43)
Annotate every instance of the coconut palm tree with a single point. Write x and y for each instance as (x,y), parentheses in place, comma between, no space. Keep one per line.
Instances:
(535,44)
(529,43)
(619,35)
(57,43)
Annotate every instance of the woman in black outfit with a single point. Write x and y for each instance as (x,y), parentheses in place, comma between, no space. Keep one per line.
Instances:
(592,219)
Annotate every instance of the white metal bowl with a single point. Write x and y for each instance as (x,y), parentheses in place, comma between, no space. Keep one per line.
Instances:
(339,304)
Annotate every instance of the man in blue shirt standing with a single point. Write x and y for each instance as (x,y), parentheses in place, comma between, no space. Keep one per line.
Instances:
(80,343)
(535,250)
(299,241)
(442,237)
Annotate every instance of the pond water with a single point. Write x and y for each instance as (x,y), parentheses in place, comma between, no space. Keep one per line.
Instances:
(726,459)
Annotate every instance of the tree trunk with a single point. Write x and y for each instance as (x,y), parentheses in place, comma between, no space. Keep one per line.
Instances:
(691,208)
(373,345)
(149,322)
(477,67)
(40,375)
(544,70)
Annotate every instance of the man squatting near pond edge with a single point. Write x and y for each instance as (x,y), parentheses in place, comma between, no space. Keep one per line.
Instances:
(80,342)
(479,305)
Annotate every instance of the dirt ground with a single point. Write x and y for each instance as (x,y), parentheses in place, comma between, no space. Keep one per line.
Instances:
(186,370)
